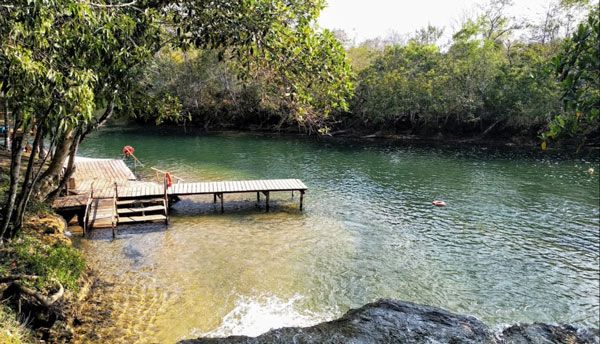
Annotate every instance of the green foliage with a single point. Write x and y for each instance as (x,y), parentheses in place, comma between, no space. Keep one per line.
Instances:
(307,65)
(361,56)
(399,86)
(30,255)
(198,87)
(483,82)
(67,65)
(215,88)
(578,69)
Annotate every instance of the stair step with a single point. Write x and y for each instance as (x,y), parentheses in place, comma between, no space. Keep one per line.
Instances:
(147,218)
(139,201)
(105,222)
(141,209)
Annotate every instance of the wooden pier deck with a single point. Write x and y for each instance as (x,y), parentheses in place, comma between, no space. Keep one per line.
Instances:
(105,193)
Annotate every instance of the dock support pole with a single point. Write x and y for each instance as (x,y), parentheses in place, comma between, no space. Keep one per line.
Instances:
(257,198)
(222,209)
(267,200)
(214,198)
(301,198)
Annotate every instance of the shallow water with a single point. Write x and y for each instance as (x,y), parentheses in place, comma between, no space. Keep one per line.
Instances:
(518,242)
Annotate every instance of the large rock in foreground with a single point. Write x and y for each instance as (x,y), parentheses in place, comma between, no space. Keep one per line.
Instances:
(389,321)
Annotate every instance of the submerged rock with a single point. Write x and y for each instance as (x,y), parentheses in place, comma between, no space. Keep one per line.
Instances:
(544,333)
(390,321)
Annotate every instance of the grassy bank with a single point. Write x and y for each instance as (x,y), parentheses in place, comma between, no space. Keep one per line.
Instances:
(11,330)
(40,276)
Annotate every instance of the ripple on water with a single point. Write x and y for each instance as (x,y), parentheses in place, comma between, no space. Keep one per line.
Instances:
(518,241)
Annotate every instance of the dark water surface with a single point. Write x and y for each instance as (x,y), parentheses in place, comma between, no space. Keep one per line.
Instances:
(518,242)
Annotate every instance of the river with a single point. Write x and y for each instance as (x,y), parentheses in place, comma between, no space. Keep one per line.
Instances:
(518,241)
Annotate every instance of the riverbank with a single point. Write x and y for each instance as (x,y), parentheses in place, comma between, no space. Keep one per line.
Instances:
(392,321)
(43,278)
(523,142)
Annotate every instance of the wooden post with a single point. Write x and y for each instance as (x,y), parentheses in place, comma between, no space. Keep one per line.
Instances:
(301,198)
(215,198)
(257,198)
(267,200)
(222,209)
(292,194)
(166,200)
(84,227)
(115,212)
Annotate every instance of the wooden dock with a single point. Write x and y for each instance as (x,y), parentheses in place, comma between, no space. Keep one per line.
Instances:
(105,193)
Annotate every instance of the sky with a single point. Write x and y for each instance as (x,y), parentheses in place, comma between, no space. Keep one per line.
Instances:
(364,19)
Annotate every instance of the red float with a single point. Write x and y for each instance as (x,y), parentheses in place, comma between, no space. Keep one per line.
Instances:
(128,150)
(439,203)
(169,179)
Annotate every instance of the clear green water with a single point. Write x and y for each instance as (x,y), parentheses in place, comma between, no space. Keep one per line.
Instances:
(518,242)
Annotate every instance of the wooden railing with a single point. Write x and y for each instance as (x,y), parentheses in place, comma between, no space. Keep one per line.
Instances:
(164,173)
(88,206)
(115,217)
(166,199)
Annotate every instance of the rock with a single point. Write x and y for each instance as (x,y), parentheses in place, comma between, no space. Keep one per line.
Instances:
(390,321)
(384,321)
(375,135)
(544,333)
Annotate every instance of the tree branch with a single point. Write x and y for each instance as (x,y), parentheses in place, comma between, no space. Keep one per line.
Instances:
(45,301)
(112,5)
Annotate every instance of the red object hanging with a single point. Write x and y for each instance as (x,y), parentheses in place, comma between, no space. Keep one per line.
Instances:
(439,203)
(169,179)
(128,150)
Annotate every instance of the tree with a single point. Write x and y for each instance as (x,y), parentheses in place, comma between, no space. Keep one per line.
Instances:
(428,35)
(68,65)
(578,70)
(64,66)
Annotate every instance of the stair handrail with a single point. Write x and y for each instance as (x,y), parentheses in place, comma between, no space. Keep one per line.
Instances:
(166,199)
(165,172)
(115,211)
(86,215)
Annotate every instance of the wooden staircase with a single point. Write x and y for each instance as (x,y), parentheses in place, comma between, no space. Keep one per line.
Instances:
(142,210)
(101,213)
(110,212)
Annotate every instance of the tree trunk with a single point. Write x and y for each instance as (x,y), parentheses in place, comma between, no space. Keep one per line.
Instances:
(28,183)
(15,174)
(50,177)
(108,112)
(6,127)
(69,169)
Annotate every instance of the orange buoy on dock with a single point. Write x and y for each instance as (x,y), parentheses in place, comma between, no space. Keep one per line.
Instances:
(439,203)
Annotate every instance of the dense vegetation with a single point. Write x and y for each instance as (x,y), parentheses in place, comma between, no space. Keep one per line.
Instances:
(66,66)
(497,76)
(484,82)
